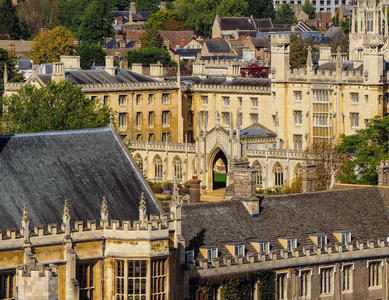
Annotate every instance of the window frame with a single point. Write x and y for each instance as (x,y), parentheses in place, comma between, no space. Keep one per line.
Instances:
(347,273)
(327,280)
(86,286)
(375,273)
(122,100)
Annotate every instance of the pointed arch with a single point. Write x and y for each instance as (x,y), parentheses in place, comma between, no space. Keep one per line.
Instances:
(177,168)
(278,172)
(158,167)
(258,177)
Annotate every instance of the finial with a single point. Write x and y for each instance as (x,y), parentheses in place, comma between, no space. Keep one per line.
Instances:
(25,214)
(66,214)
(142,203)
(104,210)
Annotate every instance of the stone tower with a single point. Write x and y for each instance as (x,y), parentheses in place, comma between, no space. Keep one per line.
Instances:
(280,51)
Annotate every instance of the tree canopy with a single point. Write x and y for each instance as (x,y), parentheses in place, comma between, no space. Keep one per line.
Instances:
(96,22)
(200,14)
(48,47)
(60,106)
(89,54)
(367,149)
(299,51)
(159,19)
(12,73)
(261,9)
(37,14)
(309,9)
(149,56)
(285,15)
(9,20)
(151,38)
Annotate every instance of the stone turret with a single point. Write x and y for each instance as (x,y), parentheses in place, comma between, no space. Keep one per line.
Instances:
(280,53)
(325,55)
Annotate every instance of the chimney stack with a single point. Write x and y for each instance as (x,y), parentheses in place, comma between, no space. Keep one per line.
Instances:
(156,70)
(137,68)
(308,178)
(132,8)
(162,6)
(195,190)
(109,65)
(383,174)
(44,30)
(11,49)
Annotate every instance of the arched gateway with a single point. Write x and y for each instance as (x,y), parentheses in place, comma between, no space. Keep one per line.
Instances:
(217,170)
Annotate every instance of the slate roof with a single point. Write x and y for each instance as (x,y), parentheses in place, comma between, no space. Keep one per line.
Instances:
(239,81)
(45,78)
(90,77)
(334,33)
(263,23)
(218,46)
(256,130)
(261,42)
(114,44)
(185,79)
(127,76)
(82,166)
(138,16)
(243,23)
(346,66)
(360,211)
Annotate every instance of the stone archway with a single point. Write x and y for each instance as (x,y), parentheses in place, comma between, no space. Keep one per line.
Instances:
(217,170)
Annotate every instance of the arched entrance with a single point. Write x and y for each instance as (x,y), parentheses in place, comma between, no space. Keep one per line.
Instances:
(219,168)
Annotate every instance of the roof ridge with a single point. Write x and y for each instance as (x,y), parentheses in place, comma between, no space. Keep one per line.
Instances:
(58,132)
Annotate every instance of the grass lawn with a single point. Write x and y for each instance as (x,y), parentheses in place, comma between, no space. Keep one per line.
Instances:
(220,177)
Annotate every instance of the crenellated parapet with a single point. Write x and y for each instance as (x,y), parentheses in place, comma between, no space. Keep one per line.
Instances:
(132,86)
(279,259)
(251,89)
(148,227)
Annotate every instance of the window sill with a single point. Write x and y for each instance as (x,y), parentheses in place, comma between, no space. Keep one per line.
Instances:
(165,125)
(347,292)
(326,295)
(373,288)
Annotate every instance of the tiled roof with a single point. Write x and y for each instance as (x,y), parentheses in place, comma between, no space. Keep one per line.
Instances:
(263,23)
(360,211)
(261,42)
(218,46)
(43,169)
(138,16)
(239,81)
(243,23)
(335,33)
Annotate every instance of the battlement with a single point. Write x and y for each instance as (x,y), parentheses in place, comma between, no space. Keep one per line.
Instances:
(264,90)
(326,76)
(136,86)
(277,153)
(280,38)
(158,146)
(280,258)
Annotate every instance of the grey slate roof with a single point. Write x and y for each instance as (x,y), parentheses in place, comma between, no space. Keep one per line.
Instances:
(239,81)
(335,33)
(261,42)
(185,79)
(346,66)
(218,46)
(82,166)
(360,211)
(127,76)
(242,23)
(256,130)
(90,77)
(138,16)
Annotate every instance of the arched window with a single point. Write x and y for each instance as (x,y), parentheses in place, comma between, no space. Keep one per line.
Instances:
(278,175)
(177,168)
(258,176)
(138,160)
(158,168)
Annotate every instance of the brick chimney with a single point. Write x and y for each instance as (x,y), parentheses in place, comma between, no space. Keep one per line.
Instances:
(11,49)
(195,190)
(109,65)
(383,174)
(44,30)
(75,43)
(138,45)
(308,173)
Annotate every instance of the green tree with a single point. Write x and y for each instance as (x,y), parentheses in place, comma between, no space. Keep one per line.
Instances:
(367,149)
(37,14)
(285,15)
(261,9)
(71,12)
(175,25)
(299,51)
(345,25)
(309,10)
(343,44)
(149,56)
(151,38)
(159,19)
(200,14)
(9,20)
(12,73)
(48,47)
(96,22)
(60,106)
(89,54)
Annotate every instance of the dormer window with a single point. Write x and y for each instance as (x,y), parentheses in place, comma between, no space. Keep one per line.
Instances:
(261,246)
(289,243)
(343,237)
(189,256)
(235,249)
(319,239)
(209,252)
(239,250)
